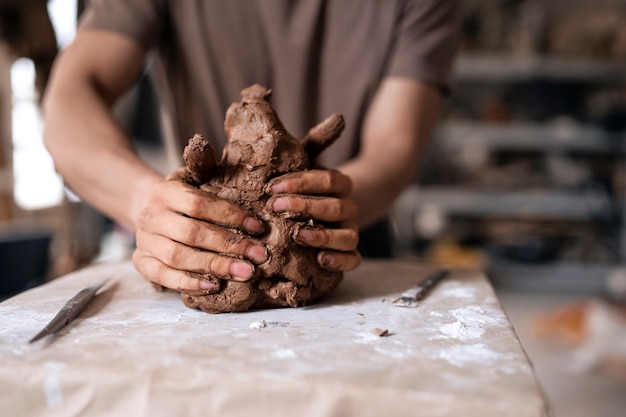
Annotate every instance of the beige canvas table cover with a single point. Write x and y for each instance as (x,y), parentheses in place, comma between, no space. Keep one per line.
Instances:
(138,352)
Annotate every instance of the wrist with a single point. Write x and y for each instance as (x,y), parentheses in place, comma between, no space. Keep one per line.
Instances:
(142,190)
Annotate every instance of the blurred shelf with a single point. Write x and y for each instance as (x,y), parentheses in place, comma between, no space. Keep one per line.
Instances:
(512,68)
(532,137)
(558,277)
(560,201)
(545,205)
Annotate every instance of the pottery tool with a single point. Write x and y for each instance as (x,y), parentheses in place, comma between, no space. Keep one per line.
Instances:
(70,311)
(413,295)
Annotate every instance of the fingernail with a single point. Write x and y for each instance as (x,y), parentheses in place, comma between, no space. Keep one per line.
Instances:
(279,187)
(305,235)
(257,253)
(280,204)
(207,285)
(242,270)
(253,225)
(327,261)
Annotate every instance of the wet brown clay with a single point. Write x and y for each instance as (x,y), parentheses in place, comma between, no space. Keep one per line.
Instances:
(258,150)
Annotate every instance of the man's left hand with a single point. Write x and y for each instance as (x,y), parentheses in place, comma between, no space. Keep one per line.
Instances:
(326,196)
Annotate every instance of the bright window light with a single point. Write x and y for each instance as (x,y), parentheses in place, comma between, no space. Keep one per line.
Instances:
(36,183)
(63,16)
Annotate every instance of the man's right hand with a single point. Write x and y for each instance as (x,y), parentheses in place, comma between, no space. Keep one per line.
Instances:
(185,233)
(182,233)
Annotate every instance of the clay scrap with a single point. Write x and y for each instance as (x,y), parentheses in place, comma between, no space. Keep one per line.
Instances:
(259,149)
(380,332)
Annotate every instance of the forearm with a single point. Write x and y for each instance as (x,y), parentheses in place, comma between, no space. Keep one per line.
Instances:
(397,128)
(376,188)
(90,149)
(93,153)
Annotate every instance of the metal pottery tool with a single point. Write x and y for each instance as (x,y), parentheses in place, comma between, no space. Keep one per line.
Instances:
(410,297)
(70,311)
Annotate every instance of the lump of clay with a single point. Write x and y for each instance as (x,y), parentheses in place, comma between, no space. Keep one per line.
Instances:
(258,150)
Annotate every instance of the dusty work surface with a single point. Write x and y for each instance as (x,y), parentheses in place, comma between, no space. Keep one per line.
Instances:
(137,352)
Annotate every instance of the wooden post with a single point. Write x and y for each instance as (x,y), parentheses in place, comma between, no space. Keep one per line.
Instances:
(6,145)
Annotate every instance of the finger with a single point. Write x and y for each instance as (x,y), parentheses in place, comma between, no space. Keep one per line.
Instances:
(339,261)
(326,209)
(184,258)
(338,239)
(157,272)
(207,236)
(312,182)
(179,174)
(198,204)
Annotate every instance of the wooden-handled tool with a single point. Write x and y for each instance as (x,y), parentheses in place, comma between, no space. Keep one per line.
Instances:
(410,297)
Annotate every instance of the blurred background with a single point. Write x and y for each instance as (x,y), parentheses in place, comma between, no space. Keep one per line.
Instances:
(524,179)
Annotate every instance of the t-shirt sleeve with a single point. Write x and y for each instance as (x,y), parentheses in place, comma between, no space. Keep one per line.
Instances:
(427,35)
(140,20)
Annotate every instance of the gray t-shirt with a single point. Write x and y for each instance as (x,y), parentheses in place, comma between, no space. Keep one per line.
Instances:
(318,56)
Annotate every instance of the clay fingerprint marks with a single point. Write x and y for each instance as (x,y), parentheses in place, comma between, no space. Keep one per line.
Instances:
(232,296)
(283,294)
(251,118)
(259,149)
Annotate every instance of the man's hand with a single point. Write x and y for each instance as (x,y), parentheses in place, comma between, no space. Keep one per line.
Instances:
(326,196)
(184,233)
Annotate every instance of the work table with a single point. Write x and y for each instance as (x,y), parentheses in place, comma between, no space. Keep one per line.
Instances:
(138,352)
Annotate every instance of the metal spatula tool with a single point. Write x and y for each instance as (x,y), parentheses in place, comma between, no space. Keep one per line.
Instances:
(70,311)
